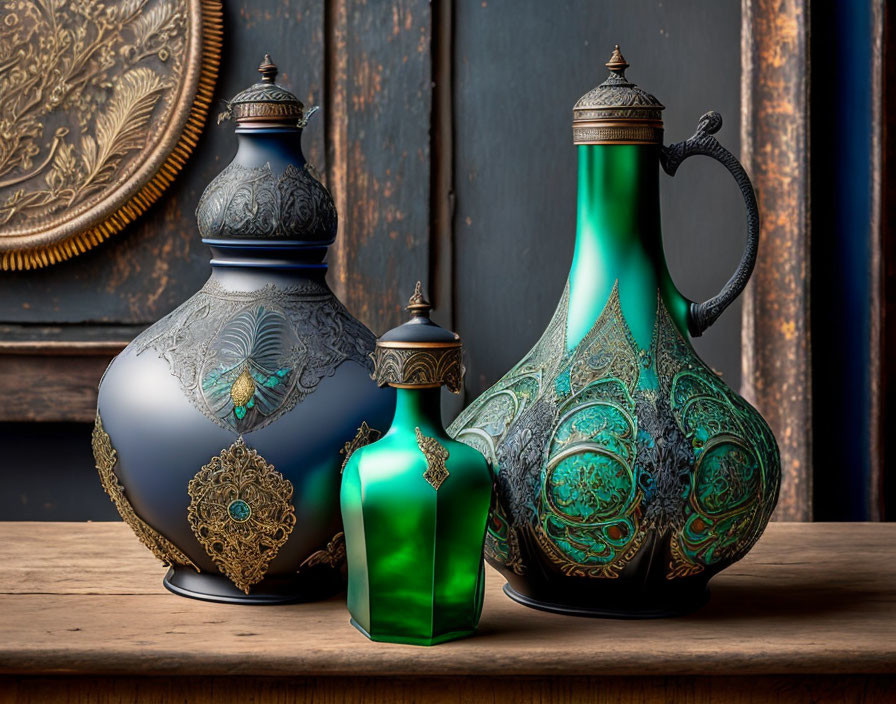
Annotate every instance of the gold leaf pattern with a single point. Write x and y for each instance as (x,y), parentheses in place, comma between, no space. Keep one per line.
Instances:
(243,389)
(106,458)
(436,455)
(241,512)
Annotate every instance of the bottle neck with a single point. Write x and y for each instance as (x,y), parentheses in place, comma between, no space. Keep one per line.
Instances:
(253,278)
(618,240)
(419,408)
(277,146)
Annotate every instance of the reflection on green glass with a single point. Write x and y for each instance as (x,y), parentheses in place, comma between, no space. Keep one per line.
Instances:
(618,238)
(415,572)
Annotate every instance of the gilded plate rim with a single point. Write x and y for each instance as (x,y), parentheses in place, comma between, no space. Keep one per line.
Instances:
(33,248)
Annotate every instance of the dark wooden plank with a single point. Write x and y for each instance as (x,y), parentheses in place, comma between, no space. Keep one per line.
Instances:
(52,382)
(156,263)
(517,75)
(775,134)
(448,690)
(87,599)
(378,127)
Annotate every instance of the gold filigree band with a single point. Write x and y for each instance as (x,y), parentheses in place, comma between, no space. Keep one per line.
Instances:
(630,132)
(106,458)
(419,367)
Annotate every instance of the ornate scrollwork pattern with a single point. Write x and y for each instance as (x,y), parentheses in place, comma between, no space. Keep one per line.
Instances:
(93,98)
(333,555)
(436,455)
(734,483)
(590,513)
(252,203)
(246,358)
(106,457)
(419,367)
(241,512)
(617,111)
(608,449)
(364,436)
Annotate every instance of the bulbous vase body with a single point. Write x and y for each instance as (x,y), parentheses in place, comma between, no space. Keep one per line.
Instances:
(629,473)
(219,429)
(241,500)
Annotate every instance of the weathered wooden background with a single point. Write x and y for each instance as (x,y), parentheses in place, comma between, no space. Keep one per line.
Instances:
(445,137)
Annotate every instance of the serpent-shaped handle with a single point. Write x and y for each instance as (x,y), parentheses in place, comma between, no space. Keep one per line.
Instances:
(702,315)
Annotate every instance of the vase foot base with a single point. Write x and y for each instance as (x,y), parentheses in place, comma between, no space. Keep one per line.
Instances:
(678,608)
(213,587)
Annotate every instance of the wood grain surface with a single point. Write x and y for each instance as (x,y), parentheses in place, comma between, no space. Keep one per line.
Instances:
(378,126)
(87,599)
(61,378)
(775,151)
(449,690)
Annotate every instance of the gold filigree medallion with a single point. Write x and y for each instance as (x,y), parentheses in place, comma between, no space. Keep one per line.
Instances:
(106,458)
(241,512)
(436,456)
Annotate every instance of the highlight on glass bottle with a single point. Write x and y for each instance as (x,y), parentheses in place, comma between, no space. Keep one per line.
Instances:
(415,502)
(627,472)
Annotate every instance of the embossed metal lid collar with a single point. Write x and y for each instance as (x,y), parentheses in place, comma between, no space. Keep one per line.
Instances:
(419,353)
(266,101)
(617,111)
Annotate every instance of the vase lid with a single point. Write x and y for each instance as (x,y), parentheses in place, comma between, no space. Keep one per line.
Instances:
(617,111)
(419,353)
(266,102)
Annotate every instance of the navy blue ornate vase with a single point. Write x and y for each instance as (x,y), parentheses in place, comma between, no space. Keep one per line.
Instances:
(222,429)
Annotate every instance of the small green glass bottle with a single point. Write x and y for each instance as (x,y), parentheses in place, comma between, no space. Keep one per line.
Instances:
(415,503)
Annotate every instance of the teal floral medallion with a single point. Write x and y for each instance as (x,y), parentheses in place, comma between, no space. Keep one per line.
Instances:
(607,452)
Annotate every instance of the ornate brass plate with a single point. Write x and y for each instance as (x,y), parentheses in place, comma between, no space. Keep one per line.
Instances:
(101,103)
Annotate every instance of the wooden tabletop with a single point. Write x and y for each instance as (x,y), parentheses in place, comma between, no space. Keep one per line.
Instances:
(87,598)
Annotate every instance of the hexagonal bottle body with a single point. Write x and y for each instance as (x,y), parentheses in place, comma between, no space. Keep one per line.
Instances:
(414,507)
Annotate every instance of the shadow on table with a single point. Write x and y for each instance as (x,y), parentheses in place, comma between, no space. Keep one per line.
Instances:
(790,600)
(727,602)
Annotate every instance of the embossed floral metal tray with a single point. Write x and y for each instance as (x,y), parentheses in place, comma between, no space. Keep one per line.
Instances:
(101,103)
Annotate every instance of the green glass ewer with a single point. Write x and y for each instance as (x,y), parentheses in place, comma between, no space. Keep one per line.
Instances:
(415,502)
(628,472)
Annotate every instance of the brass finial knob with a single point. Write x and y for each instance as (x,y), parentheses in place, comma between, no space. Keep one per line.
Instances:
(417,304)
(617,63)
(268,69)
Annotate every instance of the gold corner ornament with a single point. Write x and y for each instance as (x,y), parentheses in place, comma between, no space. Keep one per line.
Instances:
(101,104)
(364,436)
(331,556)
(436,455)
(241,512)
(106,458)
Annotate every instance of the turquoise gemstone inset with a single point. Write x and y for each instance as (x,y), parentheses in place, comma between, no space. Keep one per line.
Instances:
(239,510)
